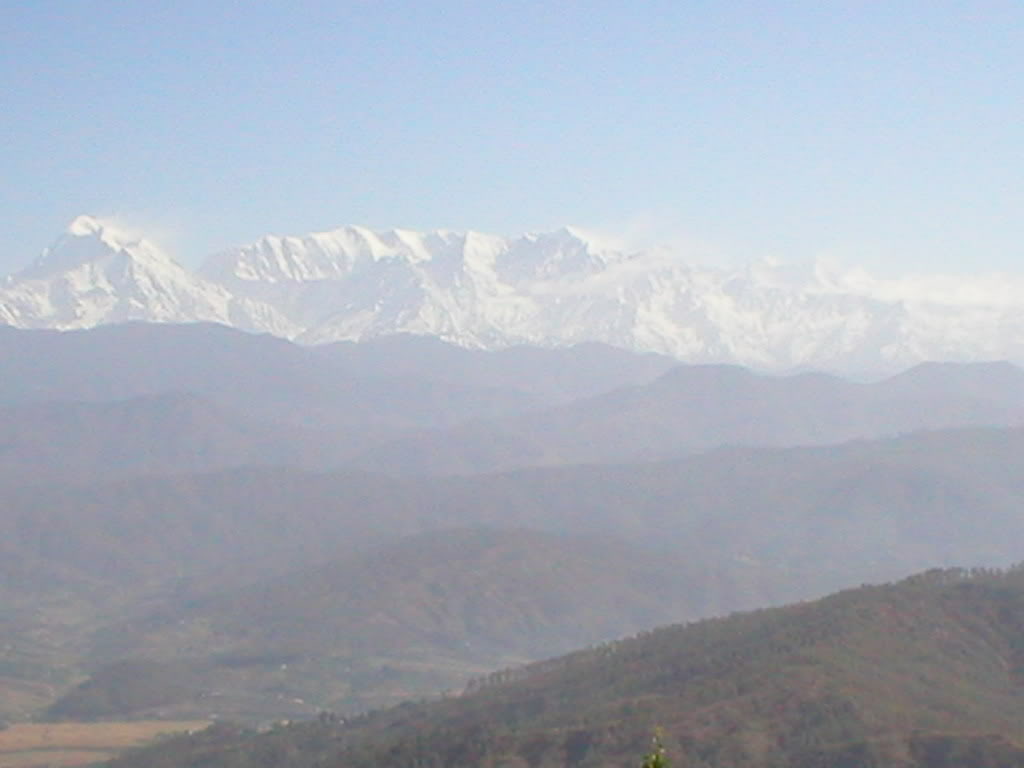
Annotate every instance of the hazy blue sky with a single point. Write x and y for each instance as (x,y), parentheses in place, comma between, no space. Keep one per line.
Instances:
(887,134)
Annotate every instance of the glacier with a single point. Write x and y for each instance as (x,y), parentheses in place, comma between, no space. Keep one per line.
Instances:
(547,289)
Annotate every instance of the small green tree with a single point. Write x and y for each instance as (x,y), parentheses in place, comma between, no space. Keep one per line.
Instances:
(656,758)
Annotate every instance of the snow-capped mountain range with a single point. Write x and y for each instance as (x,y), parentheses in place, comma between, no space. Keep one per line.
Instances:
(551,289)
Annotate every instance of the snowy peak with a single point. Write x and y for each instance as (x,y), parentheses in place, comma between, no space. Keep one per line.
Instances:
(554,255)
(89,241)
(469,287)
(339,253)
(336,254)
(543,289)
(86,225)
(108,232)
(574,239)
(97,272)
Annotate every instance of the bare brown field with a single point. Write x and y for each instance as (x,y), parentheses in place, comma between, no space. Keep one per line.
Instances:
(57,745)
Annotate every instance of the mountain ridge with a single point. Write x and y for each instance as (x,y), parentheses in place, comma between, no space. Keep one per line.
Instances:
(548,289)
(418,405)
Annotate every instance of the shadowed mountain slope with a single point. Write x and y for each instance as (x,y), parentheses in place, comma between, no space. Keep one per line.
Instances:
(691,409)
(129,360)
(259,377)
(863,510)
(169,433)
(746,528)
(410,617)
(417,406)
(555,375)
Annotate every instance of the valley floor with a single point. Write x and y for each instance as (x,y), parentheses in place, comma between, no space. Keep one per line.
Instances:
(71,744)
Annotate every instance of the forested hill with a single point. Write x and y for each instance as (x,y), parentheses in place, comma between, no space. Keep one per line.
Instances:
(925,673)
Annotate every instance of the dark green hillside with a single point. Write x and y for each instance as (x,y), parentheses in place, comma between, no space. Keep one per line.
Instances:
(927,673)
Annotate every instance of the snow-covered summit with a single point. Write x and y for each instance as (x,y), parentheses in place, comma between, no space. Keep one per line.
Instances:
(85,225)
(324,255)
(90,240)
(341,252)
(98,273)
(547,289)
